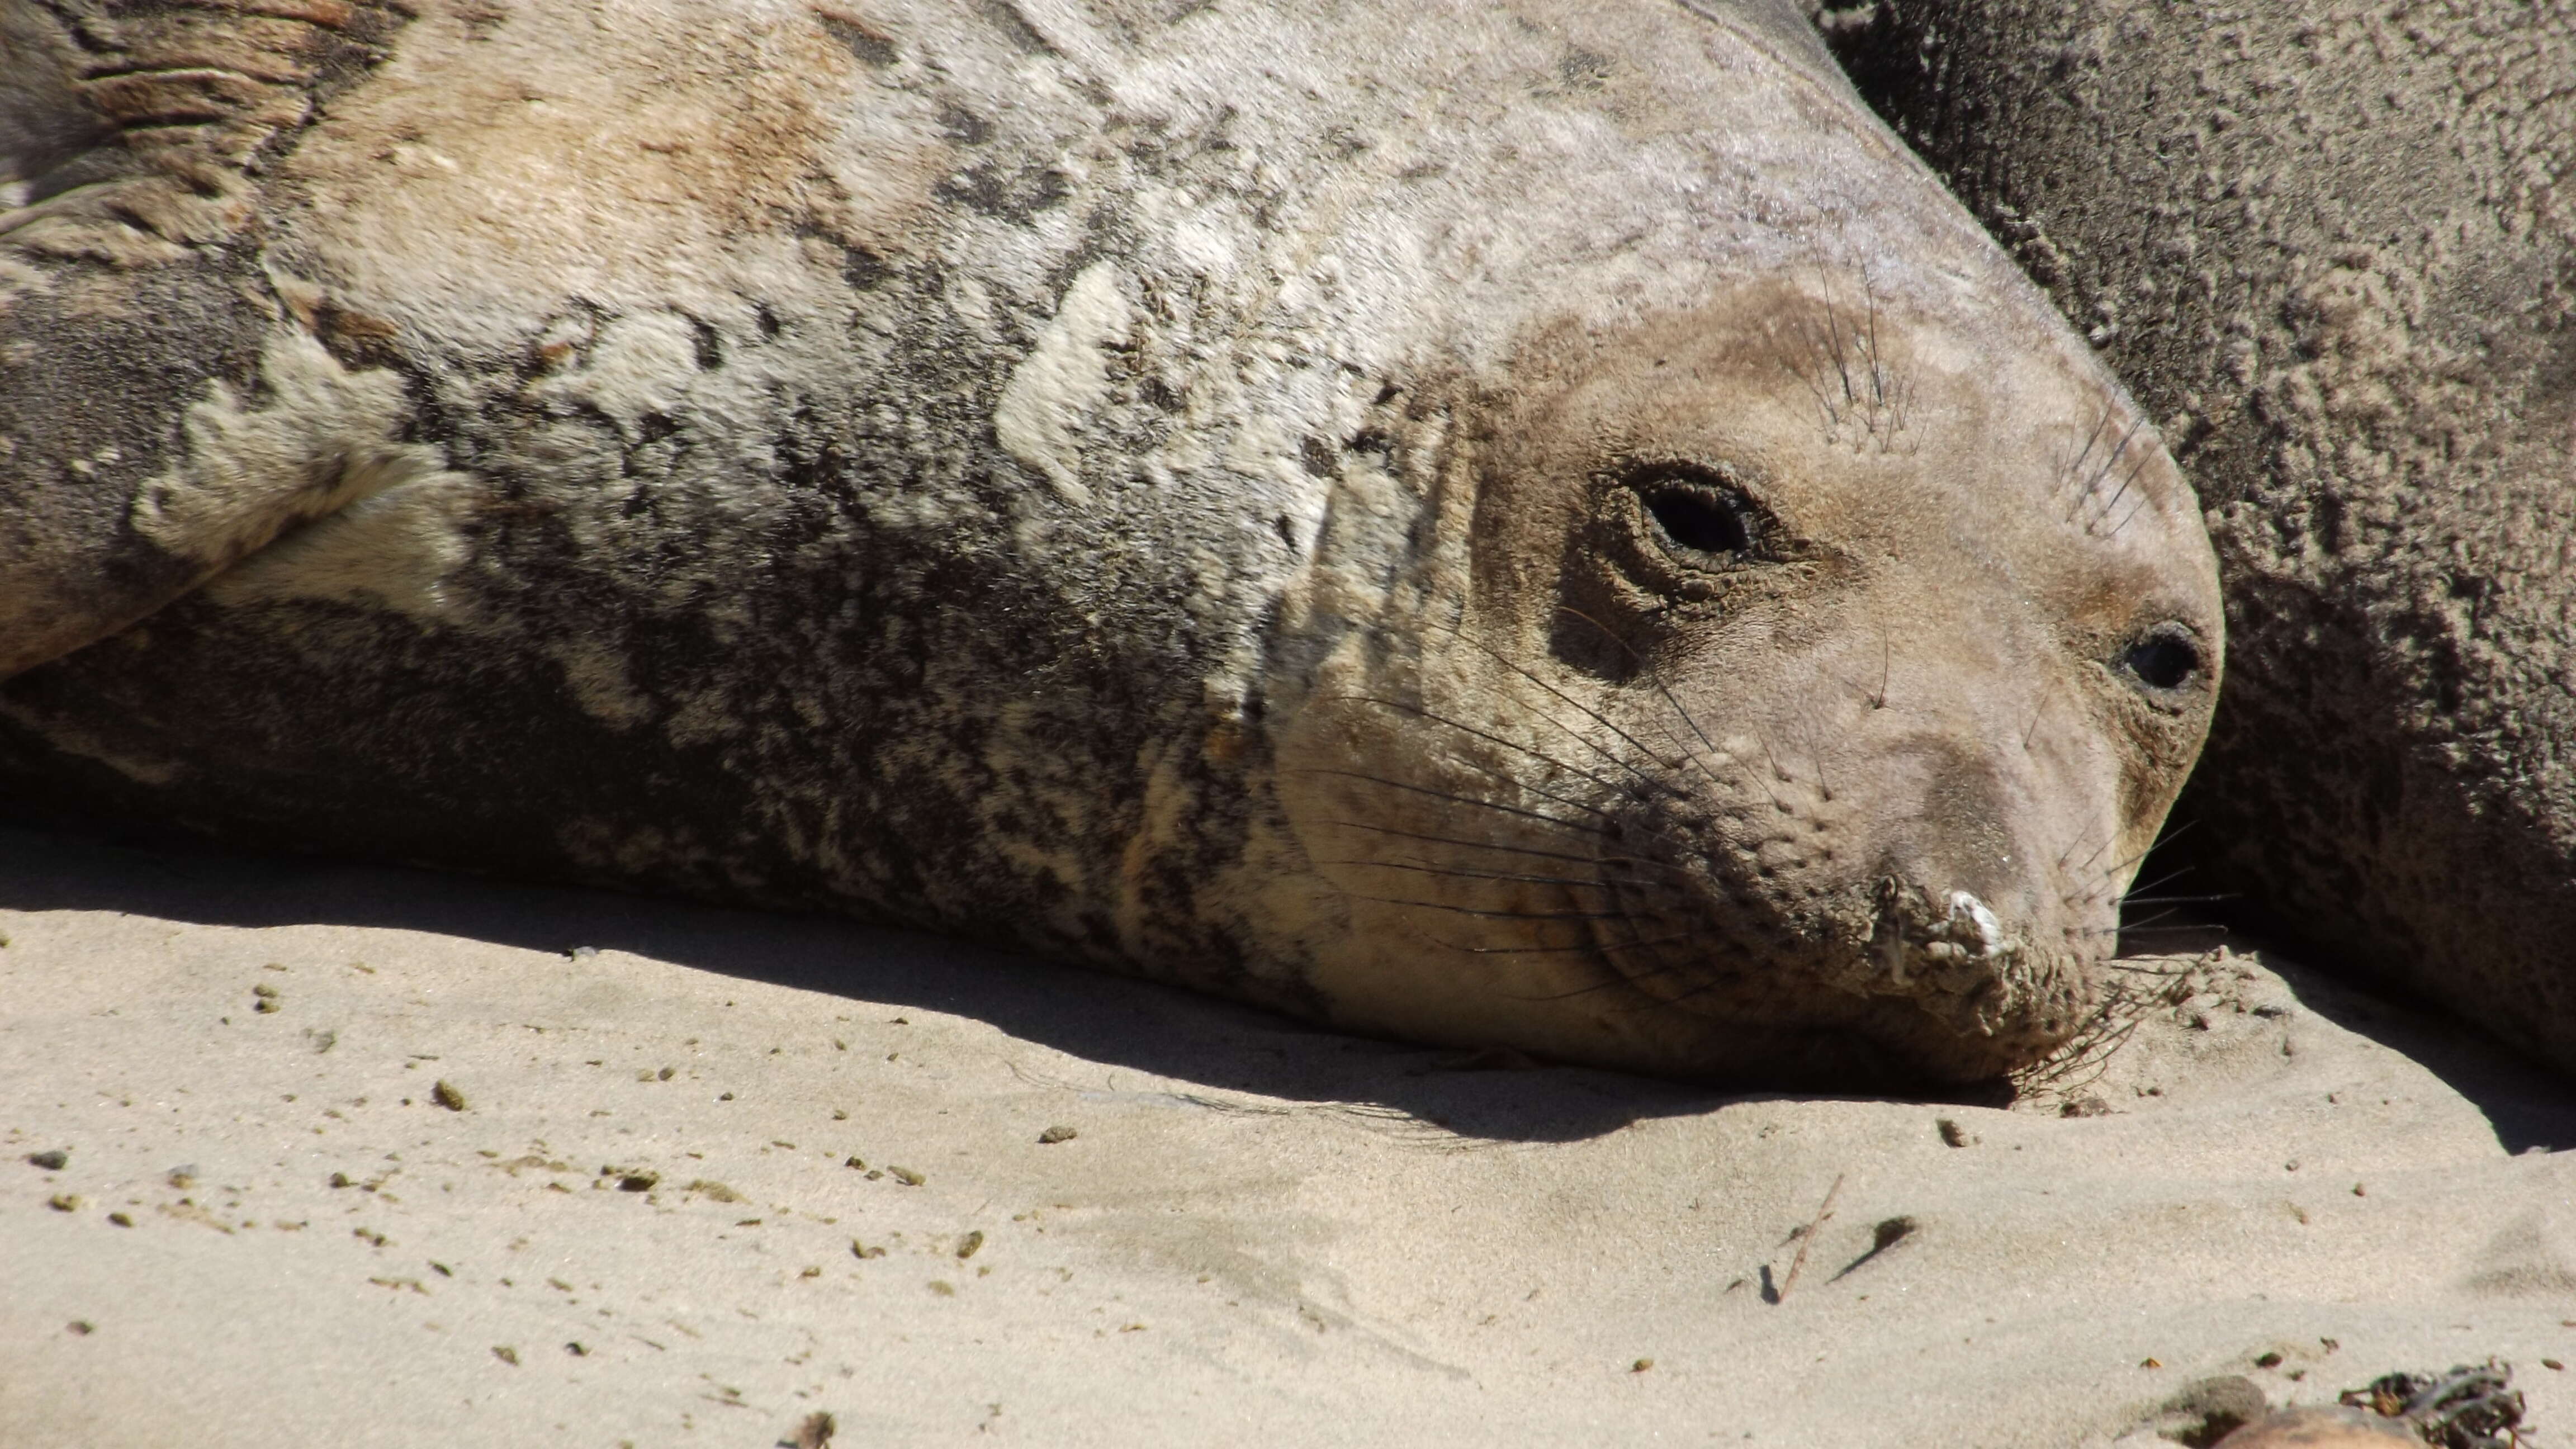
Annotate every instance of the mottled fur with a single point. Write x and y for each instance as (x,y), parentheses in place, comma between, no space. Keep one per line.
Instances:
(1156,484)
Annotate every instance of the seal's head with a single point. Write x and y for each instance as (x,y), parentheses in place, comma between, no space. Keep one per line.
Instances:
(1818,671)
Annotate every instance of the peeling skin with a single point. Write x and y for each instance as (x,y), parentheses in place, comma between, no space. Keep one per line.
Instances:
(1173,494)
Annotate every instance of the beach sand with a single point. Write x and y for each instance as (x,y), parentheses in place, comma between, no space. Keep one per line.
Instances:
(695,1177)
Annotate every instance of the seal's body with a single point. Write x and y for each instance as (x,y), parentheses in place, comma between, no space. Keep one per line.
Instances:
(1538,526)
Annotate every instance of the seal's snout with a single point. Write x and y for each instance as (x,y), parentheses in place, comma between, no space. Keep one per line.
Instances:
(1954,957)
(1925,937)
(1962,931)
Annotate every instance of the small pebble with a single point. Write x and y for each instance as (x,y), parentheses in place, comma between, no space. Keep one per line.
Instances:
(52,1159)
(906,1176)
(1058,1134)
(445,1094)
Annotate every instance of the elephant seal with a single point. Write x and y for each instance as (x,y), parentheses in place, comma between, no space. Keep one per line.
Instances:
(2324,246)
(1534,525)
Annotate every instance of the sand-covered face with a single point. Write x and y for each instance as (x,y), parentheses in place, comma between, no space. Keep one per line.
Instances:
(1822,677)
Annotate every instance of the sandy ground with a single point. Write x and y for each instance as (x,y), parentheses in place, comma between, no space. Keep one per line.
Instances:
(641,1216)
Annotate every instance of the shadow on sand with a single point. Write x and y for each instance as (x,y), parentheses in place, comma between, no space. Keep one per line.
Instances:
(1158,1030)
(1153,1029)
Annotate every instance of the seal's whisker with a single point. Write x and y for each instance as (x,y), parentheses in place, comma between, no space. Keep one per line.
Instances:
(2095,482)
(2111,872)
(1694,993)
(1655,676)
(2101,425)
(2177,928)
(2166,879)
(2087,862)
(2163,839)
(1762,735)
(1455,799)
(1878,374)
(1540,755)
(2142,928)
(2169,836)
(1497,915)
(1420,867)
(2139,467)
(2036,716)
(1592,947)
(2103,1034)
(1665,888)
(2126,518)
(2099,511)
(1512,849)
(1578,706)
(1619,974)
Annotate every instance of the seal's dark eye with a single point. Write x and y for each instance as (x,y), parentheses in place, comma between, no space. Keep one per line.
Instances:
(2163,659)
(1699,517)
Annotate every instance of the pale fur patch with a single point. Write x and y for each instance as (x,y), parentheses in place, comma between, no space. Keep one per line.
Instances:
(394,547)
(1052,394)
(320,444)
(637,365)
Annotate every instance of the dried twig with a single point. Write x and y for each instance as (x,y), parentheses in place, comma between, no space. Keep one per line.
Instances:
(1806,1240)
